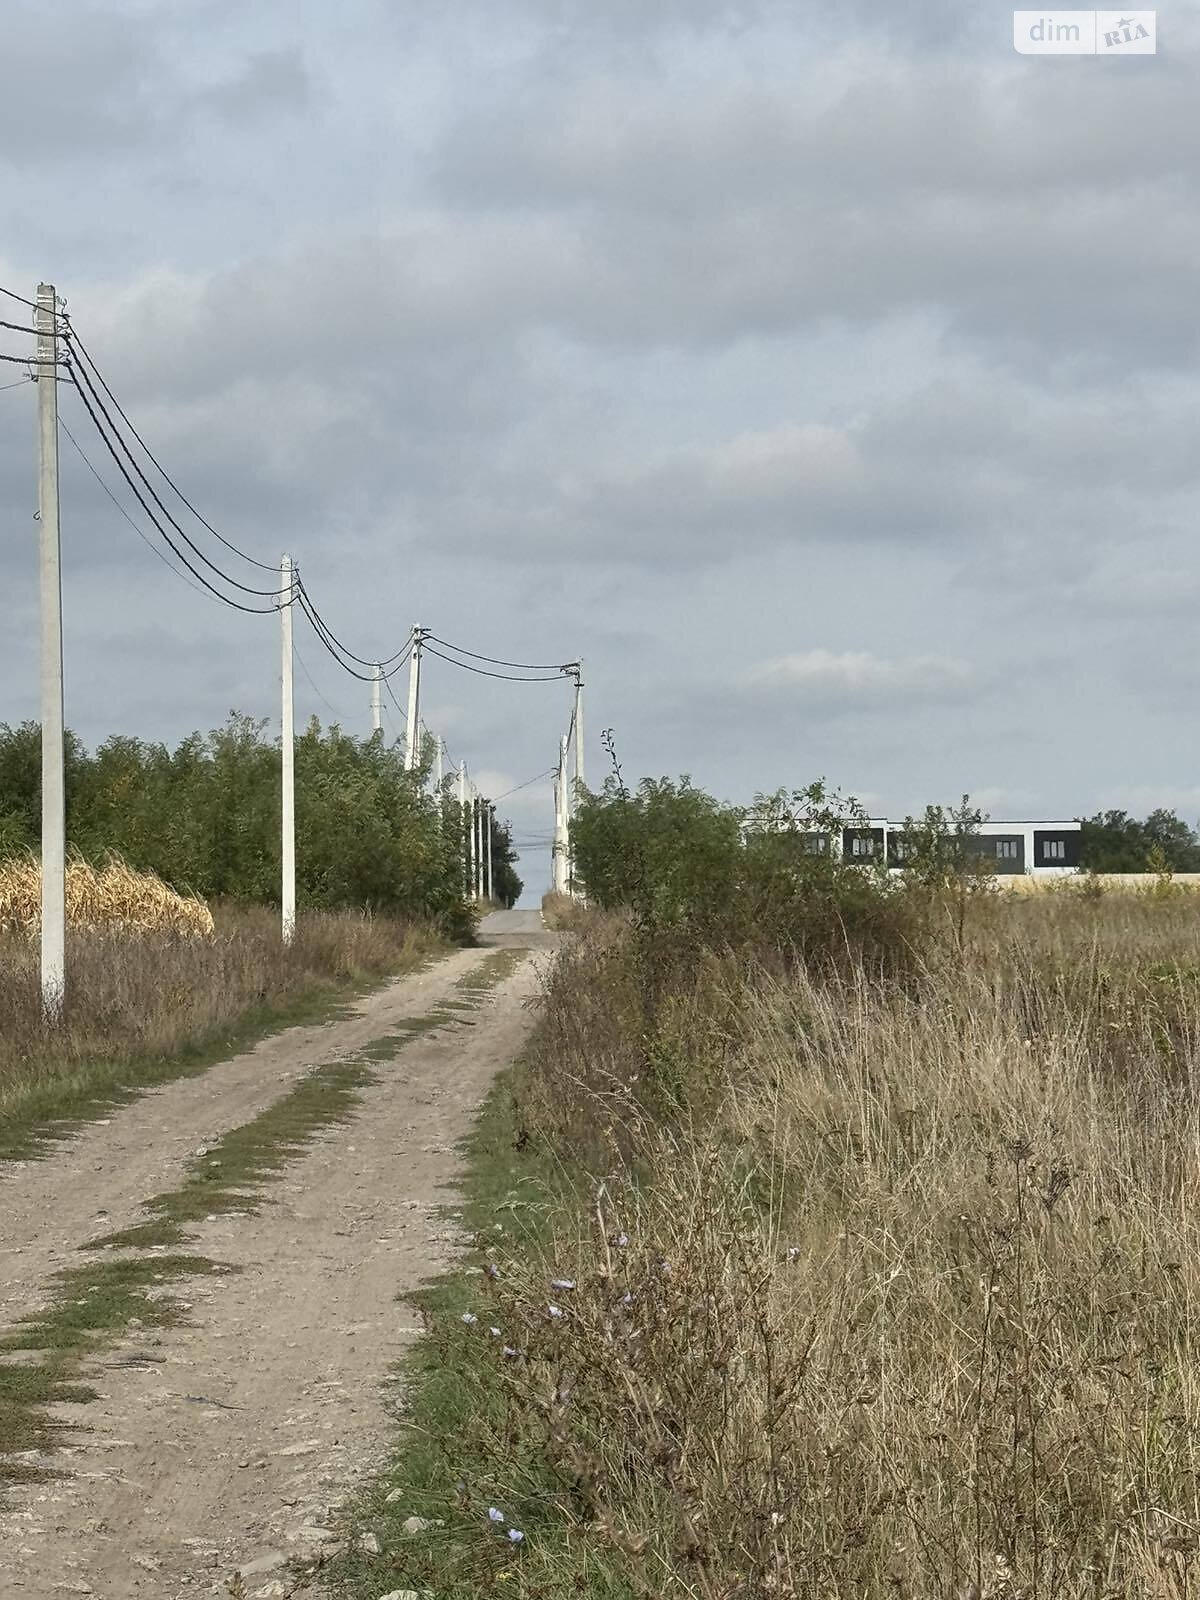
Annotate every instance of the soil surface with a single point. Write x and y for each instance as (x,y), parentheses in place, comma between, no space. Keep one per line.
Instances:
(226,1443)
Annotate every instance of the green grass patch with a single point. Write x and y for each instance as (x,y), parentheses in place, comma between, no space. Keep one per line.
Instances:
(491,972)
(232,1174)
(105,1296)
(91,1305)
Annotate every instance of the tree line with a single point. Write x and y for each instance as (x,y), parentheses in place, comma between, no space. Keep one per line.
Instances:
(205,817)
(670,844)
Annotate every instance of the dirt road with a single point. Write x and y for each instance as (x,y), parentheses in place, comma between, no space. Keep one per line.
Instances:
(226,1441)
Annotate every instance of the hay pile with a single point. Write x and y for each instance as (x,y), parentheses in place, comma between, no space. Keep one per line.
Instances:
(111,896)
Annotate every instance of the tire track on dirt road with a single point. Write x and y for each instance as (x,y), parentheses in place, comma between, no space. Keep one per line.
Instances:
(226,1442)
(95,1181)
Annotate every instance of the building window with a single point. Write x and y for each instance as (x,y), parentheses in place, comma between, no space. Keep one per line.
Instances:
(1053,850)
(860,846)
(1006,849)
(815,844)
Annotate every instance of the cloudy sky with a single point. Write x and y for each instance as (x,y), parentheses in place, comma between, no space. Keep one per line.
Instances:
(825,377)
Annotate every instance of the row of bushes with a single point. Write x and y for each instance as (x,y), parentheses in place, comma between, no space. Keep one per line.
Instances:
(205,817)
(668,848)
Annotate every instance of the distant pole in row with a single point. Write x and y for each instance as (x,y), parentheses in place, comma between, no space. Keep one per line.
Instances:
(412,754)
(473,848)
(54,847)
(377,700)
(560,875)
(480,869)
(462,811)
(439,772)
(488,815)
(579,778)
(287,893)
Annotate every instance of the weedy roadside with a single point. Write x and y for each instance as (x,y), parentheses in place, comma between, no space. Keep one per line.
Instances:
(790,1281)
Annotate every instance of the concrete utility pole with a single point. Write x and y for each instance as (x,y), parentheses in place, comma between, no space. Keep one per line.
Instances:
(462,811)
(577,786)
(54,844)
(473,858)
(559,874)
(579,778)
(377,701)
(479,882)
(438,768)
(287,892)
(488,814)
(412,755)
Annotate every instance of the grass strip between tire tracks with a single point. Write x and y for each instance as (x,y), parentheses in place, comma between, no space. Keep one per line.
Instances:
(44,1113)
(92,1305)
(452,1384)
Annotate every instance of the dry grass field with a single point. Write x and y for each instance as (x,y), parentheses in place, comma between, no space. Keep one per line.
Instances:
(146,1003)
(873,1288)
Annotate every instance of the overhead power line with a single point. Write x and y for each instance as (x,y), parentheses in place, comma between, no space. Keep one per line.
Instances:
(337,650)
(555,677)
(363,661)
(234,583)
(391,694)
(103,409)
(77,343)
(32,304)
(149,543)
(537,778)
(496,661)
(261,611)
(314,687)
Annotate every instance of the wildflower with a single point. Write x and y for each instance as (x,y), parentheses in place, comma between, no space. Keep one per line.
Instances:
(515,1535)
(510,1352)
(495,1514)
(664,1266)
(619,1240)
(470,1318)
(554,1311)
(562,1283)
(627,1298)
(491,1271)
(495,1332)
(793,1252)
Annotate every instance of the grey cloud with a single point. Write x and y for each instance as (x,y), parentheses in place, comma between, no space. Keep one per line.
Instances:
(268,82)
(755,209)
(92,75)
(674,335)
(852,680)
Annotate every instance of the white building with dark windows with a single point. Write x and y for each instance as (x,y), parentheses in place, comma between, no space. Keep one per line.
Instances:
(1045,848)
